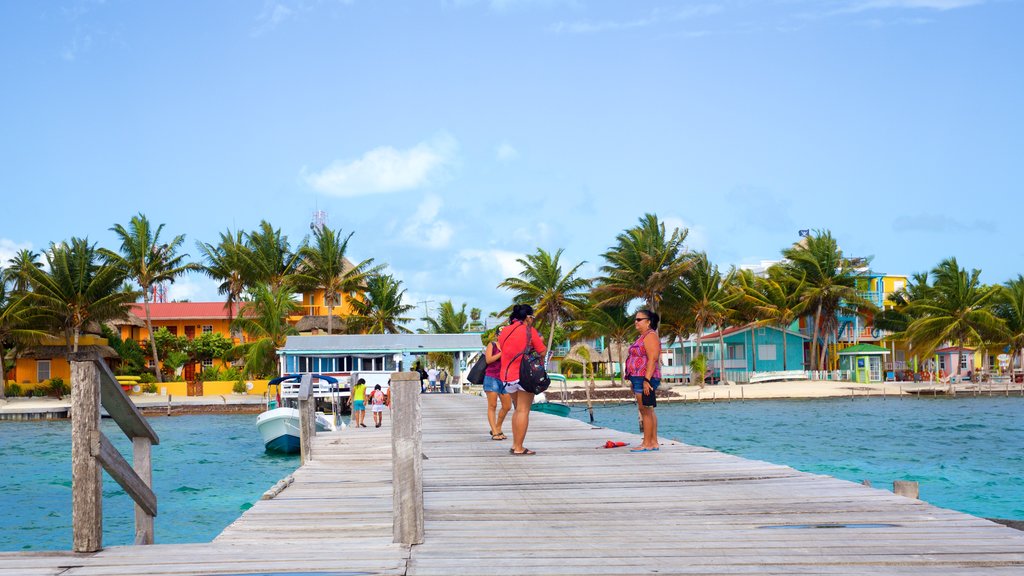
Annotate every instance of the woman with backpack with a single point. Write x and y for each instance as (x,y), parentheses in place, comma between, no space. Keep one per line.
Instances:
(512,341)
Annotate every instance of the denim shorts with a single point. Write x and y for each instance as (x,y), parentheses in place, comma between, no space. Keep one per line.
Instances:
(638,383)
(492,384)
(357,405)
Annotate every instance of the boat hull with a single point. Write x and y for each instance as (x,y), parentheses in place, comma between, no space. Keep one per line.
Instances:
(551,408)
(280,429)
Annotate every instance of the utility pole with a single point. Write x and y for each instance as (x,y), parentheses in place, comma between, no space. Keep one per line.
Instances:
(426,308)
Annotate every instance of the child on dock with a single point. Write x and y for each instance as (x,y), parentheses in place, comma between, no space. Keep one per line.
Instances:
(358,403)
(377,405)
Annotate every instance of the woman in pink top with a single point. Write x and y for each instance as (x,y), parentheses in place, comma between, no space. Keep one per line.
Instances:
(495,389)
(643,368)
(512,343)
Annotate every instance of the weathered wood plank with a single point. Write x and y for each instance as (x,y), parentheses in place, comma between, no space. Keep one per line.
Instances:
(86,474)
(122,473)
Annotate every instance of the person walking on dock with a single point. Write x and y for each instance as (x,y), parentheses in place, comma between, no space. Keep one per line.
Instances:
(494,388)
(512,341)
(643,368)
(377,405)
(358,403)
(432,378)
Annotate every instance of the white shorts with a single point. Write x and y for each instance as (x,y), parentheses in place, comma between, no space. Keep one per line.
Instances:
(513,387)
(378,407)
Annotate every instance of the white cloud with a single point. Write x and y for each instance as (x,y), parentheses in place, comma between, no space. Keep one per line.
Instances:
(655,17)
(506,152)
(9,248)
(696,239)
(386,169)
(194,289)
(940,5)
(424,228)
(487,267)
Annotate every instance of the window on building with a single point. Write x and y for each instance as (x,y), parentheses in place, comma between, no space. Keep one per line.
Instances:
(734,352)
(963,361)
(172,329)
(207,329)
(766,352)
(208,363)
(942,362)
(42,370)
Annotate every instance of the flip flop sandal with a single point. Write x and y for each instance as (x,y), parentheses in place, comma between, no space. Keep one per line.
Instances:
(499,436)
(525,452)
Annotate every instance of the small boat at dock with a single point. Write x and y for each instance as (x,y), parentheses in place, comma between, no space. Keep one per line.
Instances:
(279,425)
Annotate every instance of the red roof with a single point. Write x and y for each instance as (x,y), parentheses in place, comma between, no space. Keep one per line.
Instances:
(951,349)
(185,310)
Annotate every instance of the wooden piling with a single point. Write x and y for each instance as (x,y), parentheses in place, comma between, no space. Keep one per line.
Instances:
(407,459)
(86,477)
(906,488)
(307,418)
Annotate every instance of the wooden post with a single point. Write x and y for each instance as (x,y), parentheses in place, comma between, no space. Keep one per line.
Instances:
(906,488)
(307,419)
(142,464)
(86,477)
(407,459)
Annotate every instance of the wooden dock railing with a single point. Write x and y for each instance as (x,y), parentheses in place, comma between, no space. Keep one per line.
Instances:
(307,418)
(92,384)
(406,458)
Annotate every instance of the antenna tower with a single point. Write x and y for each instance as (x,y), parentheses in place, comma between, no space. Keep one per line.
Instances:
(319,221)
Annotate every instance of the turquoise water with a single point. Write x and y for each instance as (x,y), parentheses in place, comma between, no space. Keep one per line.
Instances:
(966,453)
(207,470)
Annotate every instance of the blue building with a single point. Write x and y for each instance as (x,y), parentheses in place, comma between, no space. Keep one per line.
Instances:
(748,349)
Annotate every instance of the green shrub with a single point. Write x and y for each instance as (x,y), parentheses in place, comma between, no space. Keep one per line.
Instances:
(39,392)
(231,373)
(57,387)
(147,378)
(239,387)
(150,388)
(12,390)
(210,373)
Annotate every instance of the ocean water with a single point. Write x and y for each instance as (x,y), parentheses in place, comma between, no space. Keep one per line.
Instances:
(966,453)
(207,470)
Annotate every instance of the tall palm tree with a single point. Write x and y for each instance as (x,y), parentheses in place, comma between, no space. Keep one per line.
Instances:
(18,268)
(147,261)
(705,295)
(447,321)
(644,262)
(77,288)
(265,319)
(555,295)
(778,301)
(226,263)
(1010,308)
(269,258)
(830,283)
(957,309)
(613,323)
(381,309)
(323,266)
(16,325)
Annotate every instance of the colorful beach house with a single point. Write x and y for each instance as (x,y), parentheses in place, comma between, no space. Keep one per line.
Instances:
(865,362)
(48,359)
(748,349)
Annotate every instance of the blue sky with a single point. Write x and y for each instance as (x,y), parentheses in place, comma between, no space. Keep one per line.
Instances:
(453,136)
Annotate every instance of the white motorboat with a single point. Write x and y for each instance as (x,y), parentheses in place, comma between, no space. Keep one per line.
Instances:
(280,429)
(279,426)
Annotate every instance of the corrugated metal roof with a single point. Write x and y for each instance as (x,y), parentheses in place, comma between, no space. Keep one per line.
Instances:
(342,343)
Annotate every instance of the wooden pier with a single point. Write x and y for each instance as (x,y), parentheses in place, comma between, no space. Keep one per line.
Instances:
(573,508)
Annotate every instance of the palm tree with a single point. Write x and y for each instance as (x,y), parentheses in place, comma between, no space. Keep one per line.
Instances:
(778,301)
(268,257)
(226,262)
(381,309)
(1010,308)
(448,320)
(78,288)
(18,269)
(705,295)
(148,262)
(643,264)
(830,283)
(613,323)
(554,295)
(265,319)
(16,321)
(956,309)
(323,266)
